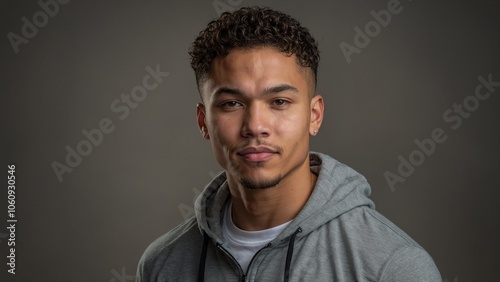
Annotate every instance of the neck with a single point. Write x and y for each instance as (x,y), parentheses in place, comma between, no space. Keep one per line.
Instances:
(259,209)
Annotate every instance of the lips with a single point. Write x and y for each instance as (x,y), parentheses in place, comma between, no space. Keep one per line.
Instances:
(257,154)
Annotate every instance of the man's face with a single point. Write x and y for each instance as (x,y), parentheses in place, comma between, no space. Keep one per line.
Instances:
(258,113)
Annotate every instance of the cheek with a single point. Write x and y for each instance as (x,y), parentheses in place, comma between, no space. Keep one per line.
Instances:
(223,130)
(293,126)
(224,133)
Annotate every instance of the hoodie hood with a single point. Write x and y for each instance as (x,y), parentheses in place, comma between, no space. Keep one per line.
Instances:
(338,189)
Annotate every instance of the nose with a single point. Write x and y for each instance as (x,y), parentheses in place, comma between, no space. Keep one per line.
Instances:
(256,121)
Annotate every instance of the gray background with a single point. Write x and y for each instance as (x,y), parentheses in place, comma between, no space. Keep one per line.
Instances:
(140,181)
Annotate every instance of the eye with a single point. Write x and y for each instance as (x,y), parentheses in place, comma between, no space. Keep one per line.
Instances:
(280,102)
(230,105)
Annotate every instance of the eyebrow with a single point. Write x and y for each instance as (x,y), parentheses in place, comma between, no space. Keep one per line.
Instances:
(280,88)
(270,90)
(227,90)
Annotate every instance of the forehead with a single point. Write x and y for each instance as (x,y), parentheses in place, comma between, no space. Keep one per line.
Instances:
(251,70)
(254,57)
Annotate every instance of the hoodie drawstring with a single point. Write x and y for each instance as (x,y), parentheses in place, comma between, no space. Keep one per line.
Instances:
(289,254)
(203,258)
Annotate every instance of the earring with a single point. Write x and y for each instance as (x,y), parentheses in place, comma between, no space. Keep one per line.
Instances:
(315,131)
(204,131)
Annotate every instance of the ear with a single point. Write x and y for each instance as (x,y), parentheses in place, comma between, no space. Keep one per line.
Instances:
(200,113)
(317,111)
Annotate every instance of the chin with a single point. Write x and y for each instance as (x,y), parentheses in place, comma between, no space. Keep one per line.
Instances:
(260,183)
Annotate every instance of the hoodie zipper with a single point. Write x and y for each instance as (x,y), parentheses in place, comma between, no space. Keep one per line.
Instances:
(242,273)
(266,246)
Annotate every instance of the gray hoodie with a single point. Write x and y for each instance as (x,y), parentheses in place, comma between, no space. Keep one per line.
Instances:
(337,236)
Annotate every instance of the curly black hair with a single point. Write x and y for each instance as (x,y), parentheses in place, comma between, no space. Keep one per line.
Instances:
(251,27)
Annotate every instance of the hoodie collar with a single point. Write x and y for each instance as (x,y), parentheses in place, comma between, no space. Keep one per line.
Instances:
(338,189)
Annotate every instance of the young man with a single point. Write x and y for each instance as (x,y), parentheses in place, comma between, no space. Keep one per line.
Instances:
(277,212)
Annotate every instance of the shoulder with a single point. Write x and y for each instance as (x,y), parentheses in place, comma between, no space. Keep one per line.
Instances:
(389,250)
(169,250)
(181,234)
(411,263)
(371,227)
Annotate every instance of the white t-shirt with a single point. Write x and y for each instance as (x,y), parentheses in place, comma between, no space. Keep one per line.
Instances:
(244,244)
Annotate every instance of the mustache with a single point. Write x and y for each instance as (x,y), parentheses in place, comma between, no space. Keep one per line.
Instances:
(256,143)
